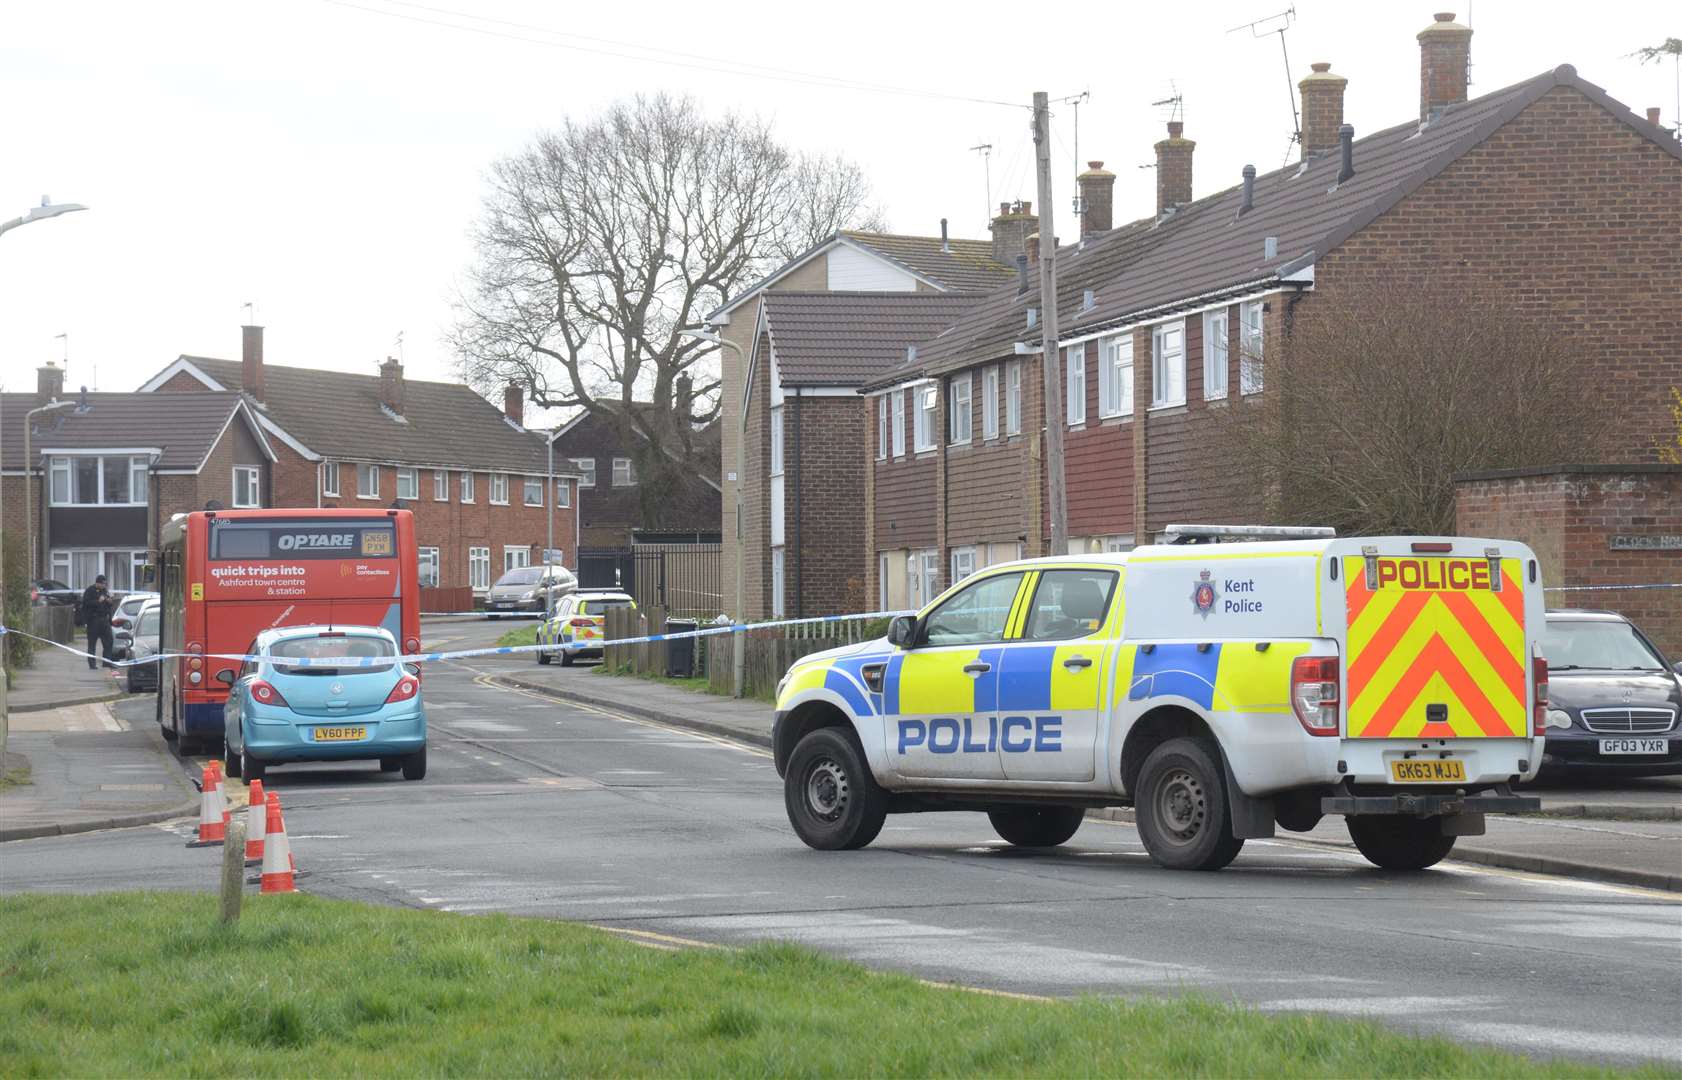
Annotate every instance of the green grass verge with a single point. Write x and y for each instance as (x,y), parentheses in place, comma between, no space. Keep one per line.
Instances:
(520,635)
(147,983)
(16,772)
(697,683)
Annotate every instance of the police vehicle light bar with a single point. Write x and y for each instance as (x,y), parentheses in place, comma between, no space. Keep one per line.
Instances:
(1215,534)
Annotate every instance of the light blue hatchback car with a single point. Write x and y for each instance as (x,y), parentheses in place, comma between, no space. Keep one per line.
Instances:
(367,710)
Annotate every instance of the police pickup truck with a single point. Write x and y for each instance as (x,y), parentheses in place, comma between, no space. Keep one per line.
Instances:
(1219,688)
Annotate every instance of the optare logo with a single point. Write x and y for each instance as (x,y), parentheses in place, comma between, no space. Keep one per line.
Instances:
(316,541)
(1203,594)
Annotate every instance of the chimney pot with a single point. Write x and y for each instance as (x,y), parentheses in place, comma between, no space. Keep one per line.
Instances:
(1010,231)
(1346,142)
(251,361)
(1248,200)
(1444,55)
(514,403)
(391,385)
(49,383)
(1173,169)
(1322,109)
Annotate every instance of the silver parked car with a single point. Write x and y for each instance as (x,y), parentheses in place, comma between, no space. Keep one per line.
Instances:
(528,590)
(137,641)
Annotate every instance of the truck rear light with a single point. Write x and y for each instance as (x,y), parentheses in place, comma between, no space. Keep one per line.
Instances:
(1314,695)
(1539,685)
(265,694)
(407,687)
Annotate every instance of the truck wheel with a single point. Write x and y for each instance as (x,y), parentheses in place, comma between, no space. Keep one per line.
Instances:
(1181,807)
(1036,826)
(832,800)
(1400,843)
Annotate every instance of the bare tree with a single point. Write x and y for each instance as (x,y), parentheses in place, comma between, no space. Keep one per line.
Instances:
(602,241)
(1383,393)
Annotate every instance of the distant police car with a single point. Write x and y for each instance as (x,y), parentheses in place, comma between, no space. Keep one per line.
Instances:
(1221,689)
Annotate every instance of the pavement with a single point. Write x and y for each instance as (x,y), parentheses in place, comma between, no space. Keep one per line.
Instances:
(59,678)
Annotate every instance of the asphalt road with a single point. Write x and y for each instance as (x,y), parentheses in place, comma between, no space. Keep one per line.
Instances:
(537,808)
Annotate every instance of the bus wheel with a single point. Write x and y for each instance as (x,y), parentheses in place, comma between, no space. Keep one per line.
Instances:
(158,712)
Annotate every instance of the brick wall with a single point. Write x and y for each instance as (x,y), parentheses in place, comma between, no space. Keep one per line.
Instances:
(823,493)
(1569,516)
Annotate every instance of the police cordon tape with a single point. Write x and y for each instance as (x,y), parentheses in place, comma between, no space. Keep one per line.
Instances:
(462,654)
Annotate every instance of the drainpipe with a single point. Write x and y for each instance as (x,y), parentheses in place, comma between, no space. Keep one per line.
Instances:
(799,549)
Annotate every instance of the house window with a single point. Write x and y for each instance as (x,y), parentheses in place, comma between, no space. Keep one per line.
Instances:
(515,556)
(914,581)
(881,427)
(1250,347)
(563,494)
(427,560)
(533,494)
(77,567)
(990,403)
(96,481)
(466,487)
(367,481)
(963,563)
(958,408)
(499,489)
(587,466)
(928,404)
(1013,398)
(1214,355)
(777,441)
(931,573)
(776,583)
(330,479)
(479,568)
(245,487)
(1115,376)
(440,486)
(1076,403)
(899,423)
(1168,365)
(408,484)
(624,472)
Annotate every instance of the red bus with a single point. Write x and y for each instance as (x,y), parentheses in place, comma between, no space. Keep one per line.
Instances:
(225,575)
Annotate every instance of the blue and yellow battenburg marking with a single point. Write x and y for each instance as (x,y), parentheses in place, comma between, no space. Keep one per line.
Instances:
(1228,677)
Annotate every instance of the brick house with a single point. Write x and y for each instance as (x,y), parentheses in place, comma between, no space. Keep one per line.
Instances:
(1549,191)
(107,470)
(610,504)
(476,480)
(848,261)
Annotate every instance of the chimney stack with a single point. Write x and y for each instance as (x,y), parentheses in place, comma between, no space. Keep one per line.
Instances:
(514,403)
(1444,53)
(1097,196)
(49,383)
(391,385)
(1173,169)
(1653,115)
(1032,243)
(1248,200)
(1322,109)
(251,361)
(1010,230)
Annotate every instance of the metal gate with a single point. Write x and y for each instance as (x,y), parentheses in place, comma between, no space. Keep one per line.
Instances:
(607,568)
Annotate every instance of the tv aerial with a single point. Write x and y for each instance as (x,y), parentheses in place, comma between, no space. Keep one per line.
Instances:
(1278,23)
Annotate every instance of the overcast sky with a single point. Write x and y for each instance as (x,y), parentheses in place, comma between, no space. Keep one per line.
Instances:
(324,159)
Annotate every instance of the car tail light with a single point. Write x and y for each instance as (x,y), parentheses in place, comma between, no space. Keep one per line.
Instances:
(407,687)
(1539,683)
(265,694)
(1314,693)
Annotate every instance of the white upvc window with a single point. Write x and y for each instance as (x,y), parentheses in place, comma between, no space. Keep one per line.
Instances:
(330,478)
(367,481)
(499,489)
(515,556)
(963,563)
(958,408)
(478,567)
(1168,365)
(586,466)
(467,489)
(1013,398)
(427,561)
(77,567)
(777,441)
(532,495)
(246,494)
(899,422)
(881,427)
(914,598)
(408,484)
(990,402)
(440,486)
(563,493)
(1250,347)
(1075,390)
(1214,354)
(931,573)
(137,480)
(928,405)
(777,579)
(624,472)
(97,481)
(1115,375)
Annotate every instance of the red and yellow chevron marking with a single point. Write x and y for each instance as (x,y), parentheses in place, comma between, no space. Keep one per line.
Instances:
(1433,633)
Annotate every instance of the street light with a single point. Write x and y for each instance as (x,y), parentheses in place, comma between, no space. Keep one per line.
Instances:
(29,477)
(738,651)
(47,209)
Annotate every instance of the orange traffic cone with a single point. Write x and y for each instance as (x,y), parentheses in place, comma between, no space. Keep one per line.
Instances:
(277,854)
(222,795)
(213,828)
(256,823)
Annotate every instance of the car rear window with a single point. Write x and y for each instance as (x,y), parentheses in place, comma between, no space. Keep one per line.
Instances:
(356,645)
(596,607)
(522,575)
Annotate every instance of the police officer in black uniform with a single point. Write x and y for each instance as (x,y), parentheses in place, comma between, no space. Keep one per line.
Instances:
(97,608)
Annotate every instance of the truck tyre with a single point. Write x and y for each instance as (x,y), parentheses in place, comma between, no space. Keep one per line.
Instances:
(1400,843)
(832,800)
(1181,807)
(1036,826)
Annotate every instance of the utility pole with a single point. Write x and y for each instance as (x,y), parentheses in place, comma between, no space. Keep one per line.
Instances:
(1051,367)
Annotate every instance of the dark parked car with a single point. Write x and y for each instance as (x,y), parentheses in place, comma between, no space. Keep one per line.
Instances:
(1613,698)
(137,643)
(48,591)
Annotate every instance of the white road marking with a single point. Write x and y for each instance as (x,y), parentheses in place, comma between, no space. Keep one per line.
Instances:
(1574,1041)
